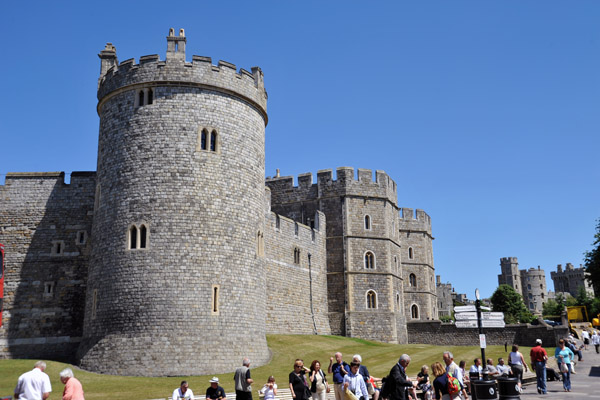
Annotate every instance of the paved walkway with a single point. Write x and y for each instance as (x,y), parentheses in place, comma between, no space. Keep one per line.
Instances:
(585,384)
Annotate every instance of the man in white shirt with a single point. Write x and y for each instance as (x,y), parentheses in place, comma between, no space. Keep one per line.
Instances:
(585,335)
(34,385)
(502,368)
(183,392)
(596,341)
(354,382)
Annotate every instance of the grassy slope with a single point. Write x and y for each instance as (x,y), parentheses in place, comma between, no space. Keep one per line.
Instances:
(378,357)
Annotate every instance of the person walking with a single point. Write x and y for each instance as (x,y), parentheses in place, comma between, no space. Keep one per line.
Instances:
(318,382)
(73,389)
(398,381)
(243,381)
(34,385)
(585,336)
(354,382)
(337,370)
(298,383)
(517,364)
(440,383)
(539,356)
(564,356)
(596,341)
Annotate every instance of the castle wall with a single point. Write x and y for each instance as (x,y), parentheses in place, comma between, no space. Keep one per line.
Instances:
(296,286)
(444,297)
(348,202)
(45,284)
(570,280)
(417,260)
(534,289)
(440,334)
(191,299)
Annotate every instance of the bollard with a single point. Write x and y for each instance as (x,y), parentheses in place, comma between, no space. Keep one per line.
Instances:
(483,390)
(508,388)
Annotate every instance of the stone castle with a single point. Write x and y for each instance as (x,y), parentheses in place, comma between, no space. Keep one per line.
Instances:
(571,279)
(176,257)
(529,283)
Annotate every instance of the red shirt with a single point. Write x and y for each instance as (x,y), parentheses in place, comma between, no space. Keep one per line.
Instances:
(538,353)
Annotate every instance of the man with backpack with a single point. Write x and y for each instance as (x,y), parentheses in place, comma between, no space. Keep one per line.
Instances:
(453,370)
(396,384)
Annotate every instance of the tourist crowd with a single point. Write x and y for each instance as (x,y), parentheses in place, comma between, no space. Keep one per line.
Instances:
(353,381)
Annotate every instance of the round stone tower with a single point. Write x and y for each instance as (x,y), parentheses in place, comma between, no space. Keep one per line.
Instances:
(176,284)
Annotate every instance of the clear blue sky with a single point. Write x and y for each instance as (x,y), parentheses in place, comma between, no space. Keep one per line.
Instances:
(485,113)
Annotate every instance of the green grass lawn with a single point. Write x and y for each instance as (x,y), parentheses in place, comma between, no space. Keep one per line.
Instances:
(378,357)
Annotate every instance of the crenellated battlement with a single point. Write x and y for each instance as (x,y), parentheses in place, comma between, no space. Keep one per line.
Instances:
(414,220)
(509,260)
(20,180)
(348,183)
(151,71)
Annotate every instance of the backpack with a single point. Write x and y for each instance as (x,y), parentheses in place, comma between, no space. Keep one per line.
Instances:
(453,385)
(384,393)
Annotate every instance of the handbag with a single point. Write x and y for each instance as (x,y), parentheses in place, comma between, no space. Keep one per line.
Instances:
(307,392)
(564,368)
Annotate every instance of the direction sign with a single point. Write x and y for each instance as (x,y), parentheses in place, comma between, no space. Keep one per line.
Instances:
(459,309)
(465,315)
(466,324)
(493,315)
(492,323)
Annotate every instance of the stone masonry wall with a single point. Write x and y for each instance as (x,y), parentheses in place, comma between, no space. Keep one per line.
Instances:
(417,259)
(296,292)
(193,300)
(44,284)
(435,332)
(346,202)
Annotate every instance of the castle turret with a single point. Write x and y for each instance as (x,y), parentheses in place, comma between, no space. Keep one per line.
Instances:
(176,286)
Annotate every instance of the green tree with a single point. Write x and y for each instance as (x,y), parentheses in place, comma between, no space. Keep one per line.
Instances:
(507,300)
(592,261)
(552,308)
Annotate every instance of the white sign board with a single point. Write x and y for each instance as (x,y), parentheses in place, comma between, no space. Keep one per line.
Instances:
(466,324)
(459,309)
(465,315)
(492,323)
(482,341)
(485,308)
(493,315)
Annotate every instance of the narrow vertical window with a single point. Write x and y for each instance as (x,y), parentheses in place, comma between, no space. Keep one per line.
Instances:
(215,300)
(140,98)
(150,96)
(143,236)
(203,139)
(410,253)
(371,299)
(397,302)
(133,237)
(296,229)
(213,141)
(369,260)
(94,303)
(277,222)
(81,237)
(367,222)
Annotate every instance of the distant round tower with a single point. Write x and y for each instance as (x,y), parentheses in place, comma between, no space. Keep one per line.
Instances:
(175,285)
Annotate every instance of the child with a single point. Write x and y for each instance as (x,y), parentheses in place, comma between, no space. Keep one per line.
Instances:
(423,382)
(270,389)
